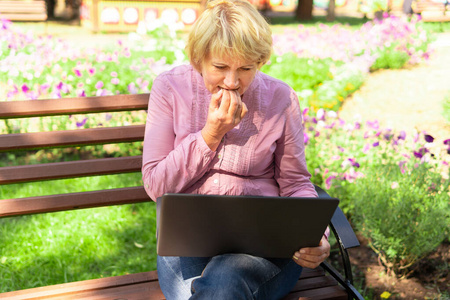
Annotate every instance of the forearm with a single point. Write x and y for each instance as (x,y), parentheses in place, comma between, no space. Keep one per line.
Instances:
(179,169)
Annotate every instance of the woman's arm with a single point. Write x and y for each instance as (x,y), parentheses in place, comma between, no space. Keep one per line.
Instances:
(290,165)
(166,168)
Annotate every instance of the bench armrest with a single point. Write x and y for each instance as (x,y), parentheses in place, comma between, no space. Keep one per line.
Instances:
(340,226)
(346,238)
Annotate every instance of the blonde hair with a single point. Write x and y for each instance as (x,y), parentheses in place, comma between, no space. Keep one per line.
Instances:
(230,28)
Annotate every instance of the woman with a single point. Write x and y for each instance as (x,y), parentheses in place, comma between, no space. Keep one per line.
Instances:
(220,126)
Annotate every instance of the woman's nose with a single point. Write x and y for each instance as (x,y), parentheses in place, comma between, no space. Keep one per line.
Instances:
(231,81)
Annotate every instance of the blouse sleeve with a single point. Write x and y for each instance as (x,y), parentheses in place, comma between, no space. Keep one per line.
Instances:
(166,168)
(290,165)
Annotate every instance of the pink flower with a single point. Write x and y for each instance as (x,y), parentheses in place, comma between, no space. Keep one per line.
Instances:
(99,85)
(115,81)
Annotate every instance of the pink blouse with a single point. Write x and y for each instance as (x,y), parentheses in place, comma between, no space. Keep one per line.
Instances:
(263,155)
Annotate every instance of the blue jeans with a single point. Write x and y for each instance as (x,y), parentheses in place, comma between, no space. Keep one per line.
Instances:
(228,276)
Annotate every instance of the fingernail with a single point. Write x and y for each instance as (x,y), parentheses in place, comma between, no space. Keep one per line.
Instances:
(302,251)
(295,257)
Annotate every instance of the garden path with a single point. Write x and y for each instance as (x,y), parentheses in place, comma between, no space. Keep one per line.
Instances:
(407,99)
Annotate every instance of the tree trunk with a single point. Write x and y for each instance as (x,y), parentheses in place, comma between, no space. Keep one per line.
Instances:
(304,10)
(331,13)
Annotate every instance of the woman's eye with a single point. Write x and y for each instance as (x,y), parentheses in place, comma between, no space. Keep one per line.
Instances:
(220,67)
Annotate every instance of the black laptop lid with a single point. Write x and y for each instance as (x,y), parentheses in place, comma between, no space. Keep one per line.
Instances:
(209,225)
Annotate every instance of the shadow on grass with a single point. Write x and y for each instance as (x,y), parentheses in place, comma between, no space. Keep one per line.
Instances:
(49,249)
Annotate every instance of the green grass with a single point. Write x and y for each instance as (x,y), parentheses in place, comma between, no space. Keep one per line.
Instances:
(278,24)
(53,248)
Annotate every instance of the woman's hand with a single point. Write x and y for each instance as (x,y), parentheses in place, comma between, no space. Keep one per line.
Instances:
(314,256)
(226,110)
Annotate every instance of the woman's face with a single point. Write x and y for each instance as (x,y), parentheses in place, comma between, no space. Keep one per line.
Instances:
(225,73)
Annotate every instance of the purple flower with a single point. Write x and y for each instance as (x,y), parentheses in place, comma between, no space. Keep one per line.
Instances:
(305,138)
(82,123)
(402,135)
(421,152)
(328,181)
(77,72)
(366,148)
(91,71)
(376,144)
(428,138)
(373,124)
(402,166)
(357,125)
(353,162)
(25,88)
(132,88)
(387,136)
(60,85)
(305,111)
(447,142)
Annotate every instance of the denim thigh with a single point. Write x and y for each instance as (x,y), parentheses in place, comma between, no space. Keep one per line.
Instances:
(228,276)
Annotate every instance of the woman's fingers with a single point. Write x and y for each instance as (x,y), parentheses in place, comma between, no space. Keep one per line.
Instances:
(312,257)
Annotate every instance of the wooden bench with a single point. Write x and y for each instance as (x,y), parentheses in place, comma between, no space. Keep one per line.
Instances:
(321,283)
(23,10)
(432,11)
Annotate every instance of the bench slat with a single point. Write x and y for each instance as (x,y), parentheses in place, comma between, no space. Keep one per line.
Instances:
(25,17)
(81,286)
(80,137)
(70,201)
(72,169)
(145,286)
(314,282)
(326,293)
(70,106)
(22,9)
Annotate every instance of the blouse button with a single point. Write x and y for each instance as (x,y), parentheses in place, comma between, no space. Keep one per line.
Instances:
(216,181)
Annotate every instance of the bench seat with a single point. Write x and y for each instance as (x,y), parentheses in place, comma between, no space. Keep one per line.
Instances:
(312,283)
(321,283)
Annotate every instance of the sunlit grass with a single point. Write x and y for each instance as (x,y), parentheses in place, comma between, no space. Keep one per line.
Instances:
(54,248)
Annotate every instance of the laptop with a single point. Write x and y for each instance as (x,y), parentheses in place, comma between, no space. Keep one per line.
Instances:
(209,225)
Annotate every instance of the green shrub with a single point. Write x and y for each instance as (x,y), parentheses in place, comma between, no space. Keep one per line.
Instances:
(403,217)
(390,58)
(320,83)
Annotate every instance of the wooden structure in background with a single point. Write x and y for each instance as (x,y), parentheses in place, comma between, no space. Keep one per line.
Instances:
(432,10)
(125,16)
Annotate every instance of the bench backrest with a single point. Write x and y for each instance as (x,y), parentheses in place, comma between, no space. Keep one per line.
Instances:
(71,138)
(23,10)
